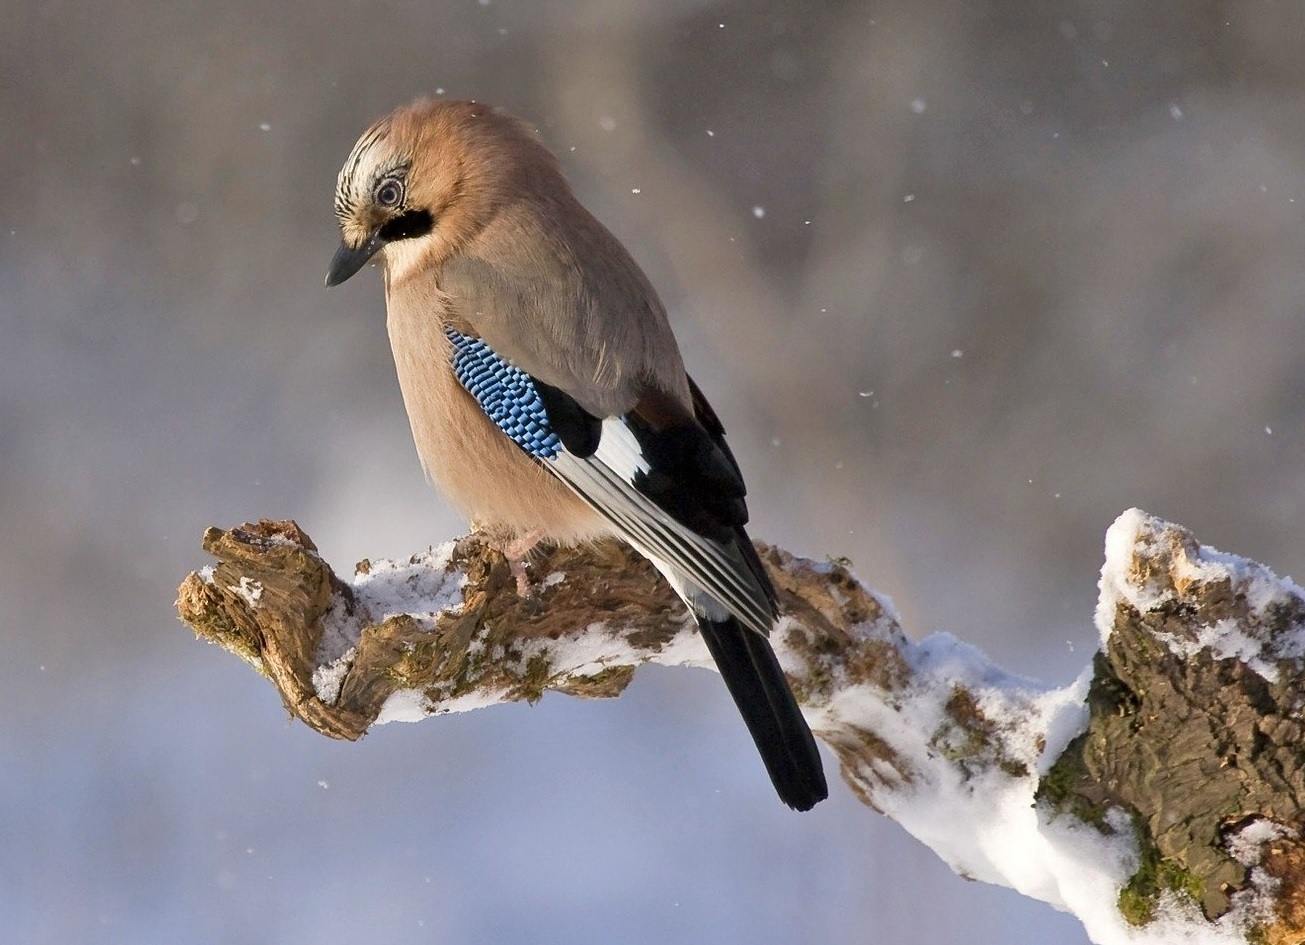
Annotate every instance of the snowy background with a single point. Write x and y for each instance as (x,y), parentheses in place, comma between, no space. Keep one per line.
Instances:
(965,279)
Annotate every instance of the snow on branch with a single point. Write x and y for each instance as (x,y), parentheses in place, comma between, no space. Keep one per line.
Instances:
(1159,798)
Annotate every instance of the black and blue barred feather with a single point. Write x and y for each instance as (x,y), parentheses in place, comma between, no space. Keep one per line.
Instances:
(507,394)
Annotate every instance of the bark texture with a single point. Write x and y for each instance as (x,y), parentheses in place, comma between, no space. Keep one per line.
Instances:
(1196,727)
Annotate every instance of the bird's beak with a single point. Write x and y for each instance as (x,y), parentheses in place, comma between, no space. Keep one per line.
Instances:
(349,259)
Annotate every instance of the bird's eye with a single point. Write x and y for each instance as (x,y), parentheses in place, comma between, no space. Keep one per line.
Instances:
(389,194)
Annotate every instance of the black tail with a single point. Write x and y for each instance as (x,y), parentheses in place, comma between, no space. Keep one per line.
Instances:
(761,692)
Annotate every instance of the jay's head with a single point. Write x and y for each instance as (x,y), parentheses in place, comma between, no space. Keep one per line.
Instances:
(425,180)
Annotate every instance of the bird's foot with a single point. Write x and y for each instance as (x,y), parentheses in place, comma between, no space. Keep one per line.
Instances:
(517,552)
(518,568)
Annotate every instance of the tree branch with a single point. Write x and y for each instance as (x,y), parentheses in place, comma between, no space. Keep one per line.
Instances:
(1164,789)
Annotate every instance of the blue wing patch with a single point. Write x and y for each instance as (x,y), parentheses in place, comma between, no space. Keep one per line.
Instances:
(506,394)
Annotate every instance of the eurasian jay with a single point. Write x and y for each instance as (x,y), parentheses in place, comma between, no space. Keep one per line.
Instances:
(547,395)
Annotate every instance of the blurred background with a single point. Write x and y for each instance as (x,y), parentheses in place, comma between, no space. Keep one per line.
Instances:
(966,279)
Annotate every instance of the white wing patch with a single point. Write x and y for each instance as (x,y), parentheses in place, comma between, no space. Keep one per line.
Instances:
(620,451)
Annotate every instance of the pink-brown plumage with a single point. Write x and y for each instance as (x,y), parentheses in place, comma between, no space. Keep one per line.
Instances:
(545,390)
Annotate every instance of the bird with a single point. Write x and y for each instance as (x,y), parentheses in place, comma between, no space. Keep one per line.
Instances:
(547,395)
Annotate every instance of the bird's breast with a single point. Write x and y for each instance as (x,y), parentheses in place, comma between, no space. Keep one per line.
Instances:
(479,469)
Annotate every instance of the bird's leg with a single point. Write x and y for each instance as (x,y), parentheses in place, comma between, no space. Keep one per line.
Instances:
(513,545)
(516,551)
